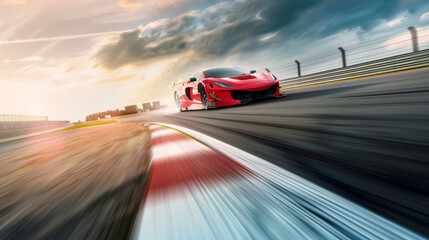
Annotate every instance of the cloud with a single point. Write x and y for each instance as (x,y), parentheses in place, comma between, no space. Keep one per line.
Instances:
(14,2)
(26,60)
(58,38)
(424,16)
(117,79)
(148,3)
(129,3)
(211,32)
(132,48)
(398,20)
(268,37)
(241,26)
(403,41)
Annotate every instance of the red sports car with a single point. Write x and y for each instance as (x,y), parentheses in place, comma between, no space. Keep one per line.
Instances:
(220,87)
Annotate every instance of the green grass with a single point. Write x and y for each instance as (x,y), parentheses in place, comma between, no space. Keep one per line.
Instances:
(88,124)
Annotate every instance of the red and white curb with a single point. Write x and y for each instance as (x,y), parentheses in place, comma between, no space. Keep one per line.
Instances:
(207,189)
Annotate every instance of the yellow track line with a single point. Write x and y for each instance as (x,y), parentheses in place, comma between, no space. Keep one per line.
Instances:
(351,79)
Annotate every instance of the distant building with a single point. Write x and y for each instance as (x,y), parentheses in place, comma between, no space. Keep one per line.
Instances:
(131,109)
(156,105)
(146,106)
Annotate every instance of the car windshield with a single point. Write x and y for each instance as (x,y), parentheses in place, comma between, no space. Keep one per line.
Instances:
(224,72)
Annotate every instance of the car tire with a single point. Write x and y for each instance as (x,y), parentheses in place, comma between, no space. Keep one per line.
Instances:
(204,98)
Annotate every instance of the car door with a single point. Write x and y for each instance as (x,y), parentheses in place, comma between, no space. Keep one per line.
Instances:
(183,98)
(192,93)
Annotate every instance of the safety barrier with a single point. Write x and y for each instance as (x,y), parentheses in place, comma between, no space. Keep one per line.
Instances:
(401,62)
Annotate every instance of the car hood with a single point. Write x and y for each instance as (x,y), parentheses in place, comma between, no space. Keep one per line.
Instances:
(249,81)
(241,77)
(247,77)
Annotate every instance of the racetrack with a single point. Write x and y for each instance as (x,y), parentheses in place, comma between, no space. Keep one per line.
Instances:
(366,140)
(211,190)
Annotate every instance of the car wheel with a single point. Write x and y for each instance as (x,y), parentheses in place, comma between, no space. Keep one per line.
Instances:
(204,99)
(179,105)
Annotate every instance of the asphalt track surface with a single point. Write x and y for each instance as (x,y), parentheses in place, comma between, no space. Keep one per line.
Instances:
(365,140)
(211,190)
(344,160)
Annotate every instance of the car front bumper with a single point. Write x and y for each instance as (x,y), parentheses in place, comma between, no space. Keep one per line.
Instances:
(219,98)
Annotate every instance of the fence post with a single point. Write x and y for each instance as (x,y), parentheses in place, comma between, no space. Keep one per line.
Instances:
(299,68)
(343,56)
(414,38)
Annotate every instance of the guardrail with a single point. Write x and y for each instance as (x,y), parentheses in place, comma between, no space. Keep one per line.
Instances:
(326,68)
(385,65)
(8,126)
(21,118)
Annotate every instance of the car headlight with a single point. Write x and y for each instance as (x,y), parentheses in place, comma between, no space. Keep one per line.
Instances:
(223,84)
(273,77)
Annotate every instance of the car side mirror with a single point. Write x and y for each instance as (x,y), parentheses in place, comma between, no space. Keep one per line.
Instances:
(252,71)
(192,79)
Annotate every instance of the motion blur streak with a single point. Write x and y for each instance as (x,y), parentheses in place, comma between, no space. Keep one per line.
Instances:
(209,195)
(80,184)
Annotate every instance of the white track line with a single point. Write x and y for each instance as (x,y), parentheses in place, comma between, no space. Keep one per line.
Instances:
(279,205)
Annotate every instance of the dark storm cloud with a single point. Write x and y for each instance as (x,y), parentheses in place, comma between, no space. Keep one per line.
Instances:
(132,48)
(213,31)
(238,26)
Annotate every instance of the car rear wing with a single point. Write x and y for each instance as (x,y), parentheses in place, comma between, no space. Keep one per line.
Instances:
(177,83)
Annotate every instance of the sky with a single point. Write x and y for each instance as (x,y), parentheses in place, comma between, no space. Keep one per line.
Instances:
(68,59)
